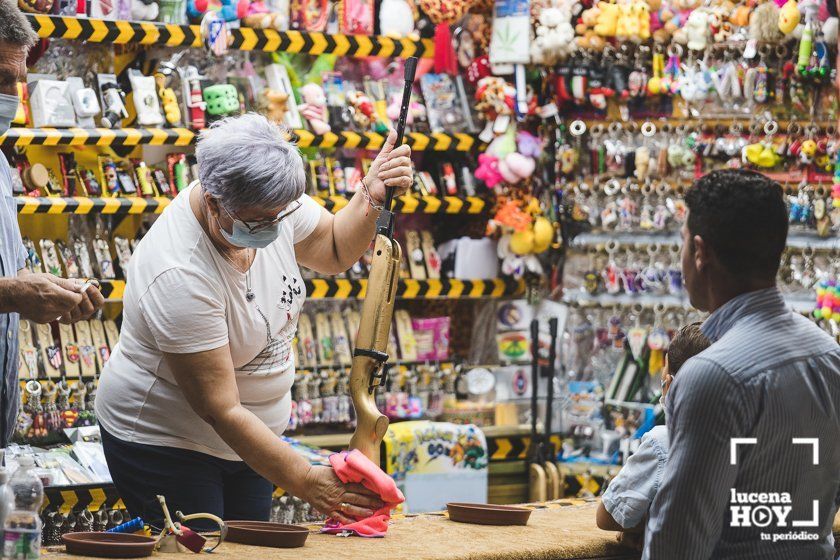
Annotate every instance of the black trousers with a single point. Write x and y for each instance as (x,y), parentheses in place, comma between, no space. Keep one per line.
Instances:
(191,482)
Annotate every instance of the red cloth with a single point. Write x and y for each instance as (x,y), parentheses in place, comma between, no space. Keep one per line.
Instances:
(352,466)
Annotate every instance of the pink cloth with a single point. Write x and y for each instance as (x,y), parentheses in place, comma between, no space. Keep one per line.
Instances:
(352,466)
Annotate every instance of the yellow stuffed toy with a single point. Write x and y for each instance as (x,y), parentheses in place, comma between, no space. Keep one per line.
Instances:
(608,15)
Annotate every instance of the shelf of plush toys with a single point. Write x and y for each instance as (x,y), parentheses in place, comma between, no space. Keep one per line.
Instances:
(244,38)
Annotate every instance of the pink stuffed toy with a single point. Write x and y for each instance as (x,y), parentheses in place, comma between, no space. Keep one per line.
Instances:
(314,108)
(488,170)
(516,167)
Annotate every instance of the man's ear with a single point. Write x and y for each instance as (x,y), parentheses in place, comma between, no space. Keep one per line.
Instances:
(701,253)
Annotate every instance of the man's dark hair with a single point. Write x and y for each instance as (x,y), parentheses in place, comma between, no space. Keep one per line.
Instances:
(687,343)
(742,217)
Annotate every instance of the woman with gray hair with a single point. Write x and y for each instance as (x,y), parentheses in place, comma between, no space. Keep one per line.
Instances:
(196,394)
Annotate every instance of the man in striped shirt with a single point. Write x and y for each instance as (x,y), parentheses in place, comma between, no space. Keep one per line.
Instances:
(754,470)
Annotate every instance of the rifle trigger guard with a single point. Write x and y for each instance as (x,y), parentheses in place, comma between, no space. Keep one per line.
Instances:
(376,379)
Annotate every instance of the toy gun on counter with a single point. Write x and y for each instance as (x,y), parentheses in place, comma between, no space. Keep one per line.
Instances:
(371,351)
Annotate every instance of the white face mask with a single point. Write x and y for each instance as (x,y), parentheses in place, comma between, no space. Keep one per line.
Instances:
(8,110)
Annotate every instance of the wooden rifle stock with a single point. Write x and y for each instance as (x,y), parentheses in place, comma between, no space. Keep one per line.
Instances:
(372,347)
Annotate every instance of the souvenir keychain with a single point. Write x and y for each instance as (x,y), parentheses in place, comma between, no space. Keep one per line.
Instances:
(611,273)
(326,351)
(50,257)
(33,261)
(308,345)
(657,341)
(123,250)
(71,265)
(80,248)
(675,285)
(37,424)
(341,344)
(651,278)
(51,355)
(661,214)
(28,352)
(71,350)
(104,258)
(100,343)
(87,351)
(591,278)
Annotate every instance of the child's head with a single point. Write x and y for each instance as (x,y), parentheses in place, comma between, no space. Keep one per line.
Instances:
(688,342)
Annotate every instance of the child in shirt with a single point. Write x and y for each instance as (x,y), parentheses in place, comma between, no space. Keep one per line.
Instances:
(625,503)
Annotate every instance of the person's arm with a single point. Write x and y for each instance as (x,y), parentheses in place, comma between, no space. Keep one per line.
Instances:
(627,499)
(707,409)
(339,240)
(91,299)
(186,314)
(208,382)
(38,297)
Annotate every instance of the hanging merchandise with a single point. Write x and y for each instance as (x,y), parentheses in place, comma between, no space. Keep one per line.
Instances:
(510,43)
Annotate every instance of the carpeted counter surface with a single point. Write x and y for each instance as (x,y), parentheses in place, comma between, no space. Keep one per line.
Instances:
(558,531)
(555,533)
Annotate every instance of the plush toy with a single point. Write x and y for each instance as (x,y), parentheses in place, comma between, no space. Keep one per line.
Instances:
(515,167)
(362,106)
(555,35)
(261,17)
(396,18)
(494,97)
(789,17)
(144,10)
(169,104)
(764,23)
(314,108)
(829,30)
(229,10)
(488,170)
(644,17)
(478,68)
(697,28)
(274,104)
(607,22)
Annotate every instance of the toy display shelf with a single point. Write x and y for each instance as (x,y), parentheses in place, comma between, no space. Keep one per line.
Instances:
(22,137)
(343,288)
(406,204)
(242,38)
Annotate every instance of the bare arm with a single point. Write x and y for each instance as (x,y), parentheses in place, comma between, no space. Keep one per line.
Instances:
(339,240)
(39,297)
(208,382)
(605,520)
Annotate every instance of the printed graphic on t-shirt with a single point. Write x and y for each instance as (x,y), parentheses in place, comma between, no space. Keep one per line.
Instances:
(277,353)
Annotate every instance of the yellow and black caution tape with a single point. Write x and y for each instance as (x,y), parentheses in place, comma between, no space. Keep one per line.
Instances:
(76,498)
(84,205)
(22,137)
(112,289)
(411,204)
(243,38)
(342,288)
(513,448)
(406,204)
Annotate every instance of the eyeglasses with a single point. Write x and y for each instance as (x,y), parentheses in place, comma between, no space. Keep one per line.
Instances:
(254,227)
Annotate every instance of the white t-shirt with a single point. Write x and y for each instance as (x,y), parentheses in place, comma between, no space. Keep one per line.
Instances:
(182,297)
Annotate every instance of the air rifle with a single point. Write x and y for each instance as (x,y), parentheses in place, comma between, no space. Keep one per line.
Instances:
(371,351)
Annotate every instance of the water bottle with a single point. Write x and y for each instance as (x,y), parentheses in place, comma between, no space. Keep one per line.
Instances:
(5,500)
(22,538)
